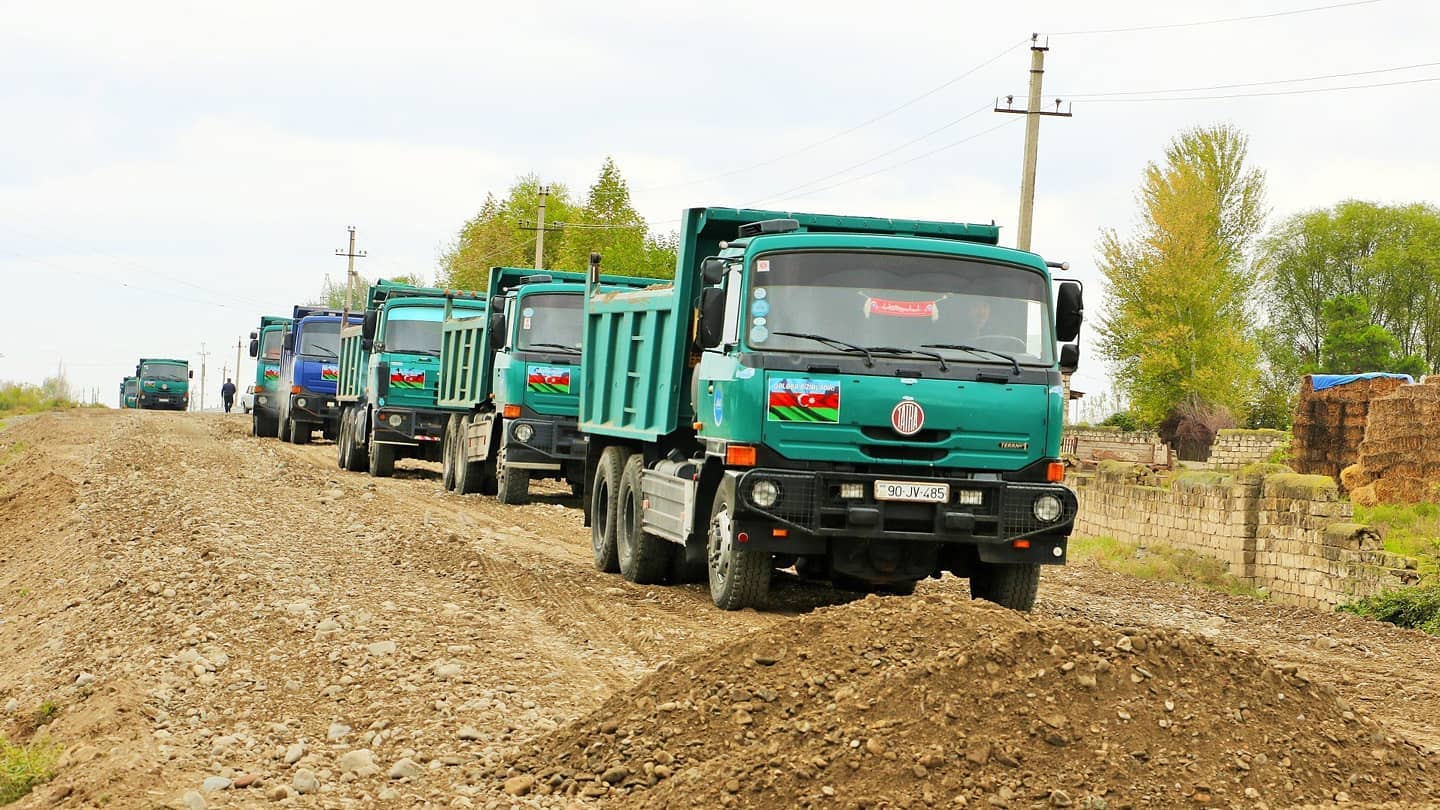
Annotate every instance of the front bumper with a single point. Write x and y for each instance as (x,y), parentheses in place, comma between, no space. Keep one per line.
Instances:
(308,406)
(165,399)
(810,504)
(415,426)
(554,441)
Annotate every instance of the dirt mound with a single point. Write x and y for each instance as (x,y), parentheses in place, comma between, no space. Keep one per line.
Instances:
(939,700)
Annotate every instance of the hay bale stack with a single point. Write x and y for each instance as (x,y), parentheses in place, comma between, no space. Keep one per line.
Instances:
(1401,449)
(1330,424)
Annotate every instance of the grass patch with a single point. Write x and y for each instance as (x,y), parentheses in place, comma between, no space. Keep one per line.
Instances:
(1161,563)
(1411,529)
(22,767)
(21,398)
(47,710)
(1417,608)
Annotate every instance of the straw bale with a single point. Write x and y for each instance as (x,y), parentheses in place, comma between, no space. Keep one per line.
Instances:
(1364,496)
(1354,477)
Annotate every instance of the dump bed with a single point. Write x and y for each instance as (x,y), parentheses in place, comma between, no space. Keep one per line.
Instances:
(638,345)
(352,364)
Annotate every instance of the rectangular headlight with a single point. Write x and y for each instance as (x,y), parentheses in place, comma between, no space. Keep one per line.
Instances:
(852,490)
(970,497)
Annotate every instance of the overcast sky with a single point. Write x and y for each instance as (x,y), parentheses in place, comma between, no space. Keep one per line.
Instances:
(172,170)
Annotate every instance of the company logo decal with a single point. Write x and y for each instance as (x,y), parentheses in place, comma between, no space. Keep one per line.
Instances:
(907,417)
(794,400)
(547,379)
(407,379)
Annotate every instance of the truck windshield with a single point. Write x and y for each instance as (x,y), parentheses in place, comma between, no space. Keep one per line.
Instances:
(894,300)
(164,371)
(319,338)
(270,345)
(550,321)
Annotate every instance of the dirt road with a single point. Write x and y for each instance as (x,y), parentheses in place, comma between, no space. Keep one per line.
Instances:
(198,609)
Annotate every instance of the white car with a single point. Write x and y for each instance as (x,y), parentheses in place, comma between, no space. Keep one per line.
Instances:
(247,399)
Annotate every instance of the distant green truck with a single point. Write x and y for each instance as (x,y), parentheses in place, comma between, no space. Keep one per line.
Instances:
(130,392)
(513,379)
(389,374)
(265,346)
(164,384)
(869,401)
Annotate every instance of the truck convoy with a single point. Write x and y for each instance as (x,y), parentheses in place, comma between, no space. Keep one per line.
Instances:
(130,392)
(389,374)
(163,384)
(514,380)
(265,347)
(309,372)
(871,401)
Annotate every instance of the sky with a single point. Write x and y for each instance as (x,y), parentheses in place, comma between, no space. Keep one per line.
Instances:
(169,171)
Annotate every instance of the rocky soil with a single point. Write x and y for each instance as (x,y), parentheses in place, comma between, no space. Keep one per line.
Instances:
(206,619)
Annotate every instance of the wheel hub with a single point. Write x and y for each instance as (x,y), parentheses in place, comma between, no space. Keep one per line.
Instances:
(722,544)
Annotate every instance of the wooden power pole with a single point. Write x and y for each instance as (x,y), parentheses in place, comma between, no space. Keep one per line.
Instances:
(1032,113)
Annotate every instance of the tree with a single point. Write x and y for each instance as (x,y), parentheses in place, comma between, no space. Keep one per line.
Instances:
(610,225)
(1179,326)
(1354,344)
(496,236)
(332,294)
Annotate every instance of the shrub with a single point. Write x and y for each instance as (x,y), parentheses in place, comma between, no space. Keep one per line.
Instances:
(22,767)
(1417,608)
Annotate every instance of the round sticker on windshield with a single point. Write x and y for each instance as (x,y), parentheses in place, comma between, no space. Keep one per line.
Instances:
(528,312)
(759,321)
(759,334)
(760,308)
(760,293)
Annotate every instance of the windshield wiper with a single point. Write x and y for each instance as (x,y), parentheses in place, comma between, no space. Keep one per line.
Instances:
(961,347)
(833,343)
(329,352)
(901,350)
(556,346)
(430,352)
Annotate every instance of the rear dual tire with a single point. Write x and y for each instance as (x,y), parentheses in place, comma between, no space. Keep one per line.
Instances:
(604,504)
(643,558)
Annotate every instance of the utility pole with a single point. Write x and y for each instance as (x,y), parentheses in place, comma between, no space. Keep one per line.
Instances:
(238,344)
(351,256)
(540,229)
(203,356)
(1032,113)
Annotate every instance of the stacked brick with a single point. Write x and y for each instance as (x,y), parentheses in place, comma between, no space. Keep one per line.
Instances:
(1235,448)
(1330,424)
(1399,459)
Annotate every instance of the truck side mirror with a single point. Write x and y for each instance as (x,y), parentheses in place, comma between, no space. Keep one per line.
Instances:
(712,270)
(1069,311)
(497,328)
(1069,358)
(254,347)
(192,375)
(367,327)
(254,335)
(712,317)
(382,379)
(289,341)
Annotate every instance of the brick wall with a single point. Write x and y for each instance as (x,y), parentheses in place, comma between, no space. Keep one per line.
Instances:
(1237,448)
(1289,534)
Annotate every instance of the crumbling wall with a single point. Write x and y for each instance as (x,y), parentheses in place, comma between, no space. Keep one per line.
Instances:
(1235,448)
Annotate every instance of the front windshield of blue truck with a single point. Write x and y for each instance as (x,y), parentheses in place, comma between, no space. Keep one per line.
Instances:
(874,299)
(270,345)
(549,320)
(319,339)
(164,371)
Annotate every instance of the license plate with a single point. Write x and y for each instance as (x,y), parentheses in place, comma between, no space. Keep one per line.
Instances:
(911,491)
(164,399)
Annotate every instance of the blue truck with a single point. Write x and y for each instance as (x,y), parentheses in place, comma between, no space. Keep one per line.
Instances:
(309,372)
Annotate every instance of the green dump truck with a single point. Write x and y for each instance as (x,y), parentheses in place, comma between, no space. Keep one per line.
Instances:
(164,384)
(389,375)
(870,401)
(130,392)
(265,346)
(514,380)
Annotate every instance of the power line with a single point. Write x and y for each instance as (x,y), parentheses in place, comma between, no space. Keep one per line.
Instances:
(1302,91)
(828,139)
(1248,17)
(1087,96)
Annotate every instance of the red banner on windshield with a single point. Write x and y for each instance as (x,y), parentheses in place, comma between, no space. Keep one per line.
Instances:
(902,309)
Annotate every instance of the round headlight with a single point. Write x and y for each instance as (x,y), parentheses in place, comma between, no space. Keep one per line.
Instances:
(765,493)
(262,400)
(1047,508)
(524,432)
(300,403)
(395,420)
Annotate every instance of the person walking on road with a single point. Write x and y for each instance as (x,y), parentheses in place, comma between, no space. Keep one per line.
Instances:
(227,394)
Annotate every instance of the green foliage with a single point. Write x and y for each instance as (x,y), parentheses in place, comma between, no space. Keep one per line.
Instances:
(22,767)
(1417,608)
(22,398)
(49,709)
(1353,343)
(1178,327)
(1408,529)
(1159,562)
(1123,420)
(605,222)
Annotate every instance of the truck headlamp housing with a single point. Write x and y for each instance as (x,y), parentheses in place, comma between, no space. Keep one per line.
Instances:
(395,420)
(852,490)
(524,432)
(765,493)
(301,402)
(1047,508)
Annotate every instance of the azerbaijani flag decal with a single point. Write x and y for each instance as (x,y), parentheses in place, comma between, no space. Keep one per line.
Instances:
(793,400)
(408,379)
(329,373)
(547,379)
(271,373)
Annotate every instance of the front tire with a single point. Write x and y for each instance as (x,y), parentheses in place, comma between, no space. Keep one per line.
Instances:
(739,577)
(512,486)
(382,460)
(644,558)
(1009,585)
(604,503)
(299,432)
